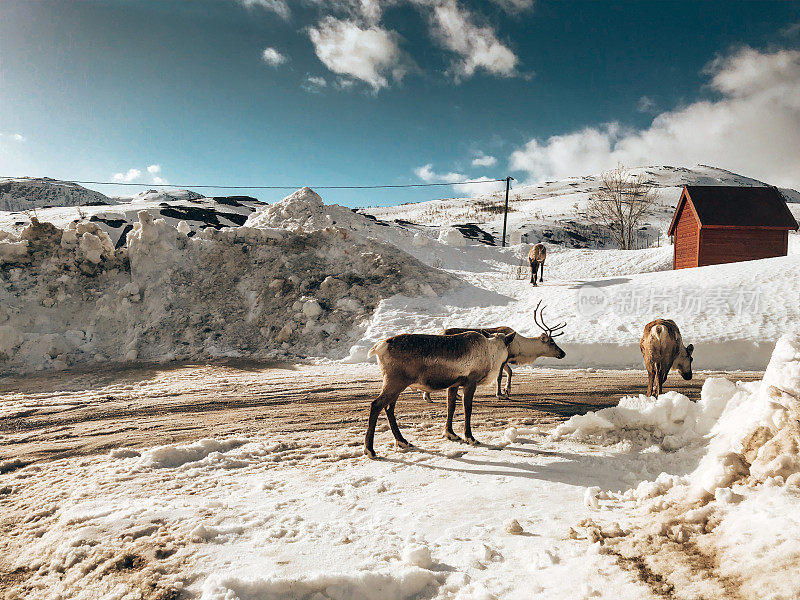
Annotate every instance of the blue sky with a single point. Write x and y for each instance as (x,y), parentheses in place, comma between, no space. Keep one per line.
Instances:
(414,91)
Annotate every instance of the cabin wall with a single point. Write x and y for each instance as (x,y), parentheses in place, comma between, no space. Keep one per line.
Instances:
(686,239)
(727,245)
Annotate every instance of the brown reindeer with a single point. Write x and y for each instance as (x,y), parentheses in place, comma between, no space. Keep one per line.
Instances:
(435,362)
(662,348)
(536,257)
(522,351)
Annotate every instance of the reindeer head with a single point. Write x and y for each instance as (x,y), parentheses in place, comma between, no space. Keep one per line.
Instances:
(550,347)
(683,362)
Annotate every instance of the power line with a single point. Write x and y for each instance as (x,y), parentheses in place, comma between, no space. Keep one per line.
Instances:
(269,187)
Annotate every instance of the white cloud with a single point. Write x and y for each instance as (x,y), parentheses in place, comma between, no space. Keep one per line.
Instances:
(366,11)
(514,6)
(279,7)
(130,175)
(646,104)
(369,54)
(273,58)
(16,137)
(160,181)
(152,169)
(314,84)
(752,128)
(477,46)
(428,175)
(479,189)
(484,161)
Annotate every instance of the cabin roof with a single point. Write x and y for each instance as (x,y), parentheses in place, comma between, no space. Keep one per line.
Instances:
(736,206)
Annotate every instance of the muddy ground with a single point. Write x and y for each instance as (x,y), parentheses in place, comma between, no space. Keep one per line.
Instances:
(72,413)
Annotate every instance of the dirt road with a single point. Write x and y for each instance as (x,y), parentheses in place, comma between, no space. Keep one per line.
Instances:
(57,415)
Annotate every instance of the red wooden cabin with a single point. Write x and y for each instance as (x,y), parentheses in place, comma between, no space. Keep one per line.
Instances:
(715,224)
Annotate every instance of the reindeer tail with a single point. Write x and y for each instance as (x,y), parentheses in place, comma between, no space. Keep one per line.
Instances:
(378,349)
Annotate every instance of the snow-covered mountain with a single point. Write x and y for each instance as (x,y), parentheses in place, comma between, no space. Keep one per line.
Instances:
(23,194)
(160,196)
(554,211)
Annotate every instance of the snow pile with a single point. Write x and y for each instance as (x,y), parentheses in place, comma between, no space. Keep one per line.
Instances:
(171,456)
(260,293)
(304,211)
(672,420)
(399,584)
(758,434)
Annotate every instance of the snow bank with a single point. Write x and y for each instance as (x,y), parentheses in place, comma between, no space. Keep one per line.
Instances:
(743,430)
(758,435)
(671,421)
(735,508)
(262,293)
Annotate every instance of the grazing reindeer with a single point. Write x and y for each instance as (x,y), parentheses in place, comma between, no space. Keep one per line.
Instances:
(435,362)
(662,348)
(522,350)
(536,256)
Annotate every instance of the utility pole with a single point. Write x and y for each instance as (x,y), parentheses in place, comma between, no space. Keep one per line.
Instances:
(505,213)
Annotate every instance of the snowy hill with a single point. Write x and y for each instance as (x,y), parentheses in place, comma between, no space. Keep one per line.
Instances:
(160,196)
(554,212)
(25,194)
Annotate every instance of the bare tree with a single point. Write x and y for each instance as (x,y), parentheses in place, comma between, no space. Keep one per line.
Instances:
(621,203)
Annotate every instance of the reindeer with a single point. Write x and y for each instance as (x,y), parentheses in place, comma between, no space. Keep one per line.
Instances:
(435,362)
(662,348)
(536,257)
(522,351)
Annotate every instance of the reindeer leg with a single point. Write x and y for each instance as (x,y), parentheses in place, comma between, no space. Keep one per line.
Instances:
(663,379)
(469,392)
(389,394)
(398,437)
(541,275)
(658,380)
(500,393)
(534,267)
(651,375)
(452,394)
(507,391)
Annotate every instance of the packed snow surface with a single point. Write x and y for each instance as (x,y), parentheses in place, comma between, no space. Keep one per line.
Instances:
(605,511)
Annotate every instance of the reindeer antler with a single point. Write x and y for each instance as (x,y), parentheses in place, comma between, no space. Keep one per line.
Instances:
(539,314)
